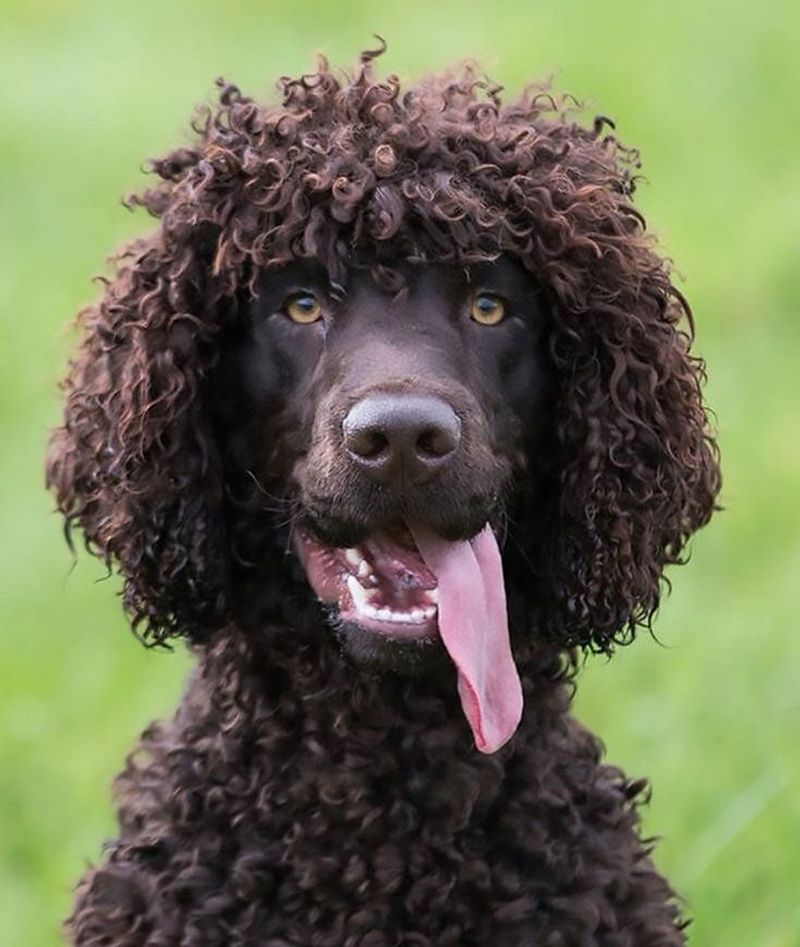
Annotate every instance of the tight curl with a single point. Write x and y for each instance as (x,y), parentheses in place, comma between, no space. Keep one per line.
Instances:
(356,168)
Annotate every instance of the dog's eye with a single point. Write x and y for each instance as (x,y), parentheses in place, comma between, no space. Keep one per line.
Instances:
(304,308)
(487,309)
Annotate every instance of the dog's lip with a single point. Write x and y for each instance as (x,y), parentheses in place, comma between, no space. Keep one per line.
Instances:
(397,530)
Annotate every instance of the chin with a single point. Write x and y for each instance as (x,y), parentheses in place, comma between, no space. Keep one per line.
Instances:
(416,655)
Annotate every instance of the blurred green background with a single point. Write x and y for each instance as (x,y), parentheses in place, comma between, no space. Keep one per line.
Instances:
(709,92)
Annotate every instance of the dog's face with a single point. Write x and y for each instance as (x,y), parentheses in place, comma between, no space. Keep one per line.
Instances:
(387,409)
(390,419)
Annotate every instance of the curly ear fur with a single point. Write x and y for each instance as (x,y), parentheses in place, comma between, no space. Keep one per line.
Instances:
(134,464)
(639,469)
(444,171)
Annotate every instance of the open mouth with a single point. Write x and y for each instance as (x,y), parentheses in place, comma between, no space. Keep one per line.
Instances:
(382,584)
(409,584)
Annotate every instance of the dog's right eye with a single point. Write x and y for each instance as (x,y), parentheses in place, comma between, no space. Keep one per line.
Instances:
(303,308)
(487,309)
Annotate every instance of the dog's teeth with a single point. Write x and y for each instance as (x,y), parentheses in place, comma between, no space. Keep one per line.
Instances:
(358,593)
(363,606)
(354,557)
(432,595)
(363,569)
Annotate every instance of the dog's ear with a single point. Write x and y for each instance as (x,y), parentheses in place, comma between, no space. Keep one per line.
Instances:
(639,467)
(638,464)
(134,464)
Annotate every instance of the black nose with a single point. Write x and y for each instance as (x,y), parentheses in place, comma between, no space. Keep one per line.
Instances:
(398,438)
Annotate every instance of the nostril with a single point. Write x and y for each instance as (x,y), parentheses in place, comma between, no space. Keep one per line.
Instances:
(368,443)
(437,442)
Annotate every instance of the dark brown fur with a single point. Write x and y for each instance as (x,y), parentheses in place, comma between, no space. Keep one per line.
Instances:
(294,800)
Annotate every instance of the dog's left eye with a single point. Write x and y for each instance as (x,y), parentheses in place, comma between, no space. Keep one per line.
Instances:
(303,308)
(487,309)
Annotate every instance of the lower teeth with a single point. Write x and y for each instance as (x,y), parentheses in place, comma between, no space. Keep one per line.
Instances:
(364,607)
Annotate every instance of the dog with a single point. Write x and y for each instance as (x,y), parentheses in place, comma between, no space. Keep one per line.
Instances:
(391,418)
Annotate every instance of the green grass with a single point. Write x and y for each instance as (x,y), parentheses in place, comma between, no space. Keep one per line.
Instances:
(709,94)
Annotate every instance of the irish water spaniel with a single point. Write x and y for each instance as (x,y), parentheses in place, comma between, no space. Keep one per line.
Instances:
(391,417)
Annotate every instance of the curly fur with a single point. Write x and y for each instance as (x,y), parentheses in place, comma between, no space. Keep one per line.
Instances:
(292,800)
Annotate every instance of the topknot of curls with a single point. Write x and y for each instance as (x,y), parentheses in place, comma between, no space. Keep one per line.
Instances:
(353,164)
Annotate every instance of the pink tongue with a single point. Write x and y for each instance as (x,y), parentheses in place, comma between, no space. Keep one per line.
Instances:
(474,627)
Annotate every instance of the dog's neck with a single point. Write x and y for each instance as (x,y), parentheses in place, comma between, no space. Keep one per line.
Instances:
(285,690)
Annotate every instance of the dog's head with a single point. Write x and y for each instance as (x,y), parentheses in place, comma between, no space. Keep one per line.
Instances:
(390,329)
(394,419)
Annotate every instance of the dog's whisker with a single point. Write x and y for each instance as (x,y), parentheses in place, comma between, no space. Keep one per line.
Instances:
(280,501)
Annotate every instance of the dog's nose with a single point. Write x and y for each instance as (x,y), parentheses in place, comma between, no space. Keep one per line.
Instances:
(397,438)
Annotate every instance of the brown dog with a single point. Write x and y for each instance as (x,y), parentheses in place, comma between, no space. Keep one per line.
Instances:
(392,413)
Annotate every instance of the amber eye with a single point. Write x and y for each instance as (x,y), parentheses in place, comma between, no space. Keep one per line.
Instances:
(303,308)
(487,309)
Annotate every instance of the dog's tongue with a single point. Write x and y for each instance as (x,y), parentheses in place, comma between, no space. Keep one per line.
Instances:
(473,624)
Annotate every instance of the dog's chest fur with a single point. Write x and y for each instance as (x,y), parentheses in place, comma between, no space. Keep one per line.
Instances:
(336,810)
